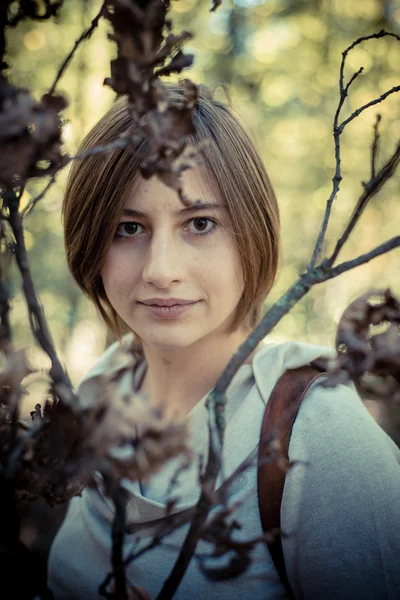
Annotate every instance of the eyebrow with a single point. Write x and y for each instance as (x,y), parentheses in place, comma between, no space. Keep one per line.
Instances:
(188,210)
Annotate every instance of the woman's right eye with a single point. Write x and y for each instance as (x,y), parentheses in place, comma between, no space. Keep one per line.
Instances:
(128,229)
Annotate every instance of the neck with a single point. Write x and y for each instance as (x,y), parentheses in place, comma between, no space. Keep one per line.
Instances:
(177,378)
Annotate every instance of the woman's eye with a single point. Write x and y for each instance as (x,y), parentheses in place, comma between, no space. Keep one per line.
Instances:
(128,229)
(201,225)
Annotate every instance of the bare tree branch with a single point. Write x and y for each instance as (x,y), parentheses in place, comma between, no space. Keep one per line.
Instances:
(119,497)
(391,244)
(5,291)
(32,203)
(357,112)
(215,4)
(122,142)
(36,314)
(85,36)
(338,130)
(375,146)
(32,10)
(360,40)
(371,189)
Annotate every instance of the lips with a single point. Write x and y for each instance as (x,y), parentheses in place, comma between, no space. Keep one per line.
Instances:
(167,302)
(164,312)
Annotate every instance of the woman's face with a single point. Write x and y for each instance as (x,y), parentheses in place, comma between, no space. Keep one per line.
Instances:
(164,253)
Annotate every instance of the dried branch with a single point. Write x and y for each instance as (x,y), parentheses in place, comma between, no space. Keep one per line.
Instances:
(36,314)
(122,142)
(17,451)
(32,203)
(85,36)
(32,10)
(30,136)
(375,146)
(371,188)
(357,112)
(338,130)
(5,291)
(144,54)
(360,40)
(384,248)
(369,358)
(156,541)
(119,498)
(215,5)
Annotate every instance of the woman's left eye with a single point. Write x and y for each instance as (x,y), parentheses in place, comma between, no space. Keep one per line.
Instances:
(201,225)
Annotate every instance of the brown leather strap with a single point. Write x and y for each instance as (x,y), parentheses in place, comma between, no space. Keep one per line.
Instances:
(279,417)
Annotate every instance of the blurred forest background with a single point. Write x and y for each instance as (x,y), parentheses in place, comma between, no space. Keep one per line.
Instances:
(280,60)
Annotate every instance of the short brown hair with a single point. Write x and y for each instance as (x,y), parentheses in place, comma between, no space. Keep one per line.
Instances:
(99,184)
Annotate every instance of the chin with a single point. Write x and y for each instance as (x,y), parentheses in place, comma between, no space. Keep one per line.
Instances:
(171,340)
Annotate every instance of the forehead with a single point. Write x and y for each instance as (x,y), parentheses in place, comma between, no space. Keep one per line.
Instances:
(152,193)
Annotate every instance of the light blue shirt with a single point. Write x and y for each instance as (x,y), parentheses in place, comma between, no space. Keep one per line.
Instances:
(340,510)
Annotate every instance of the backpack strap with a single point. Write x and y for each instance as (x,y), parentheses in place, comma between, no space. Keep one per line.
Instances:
(279,417)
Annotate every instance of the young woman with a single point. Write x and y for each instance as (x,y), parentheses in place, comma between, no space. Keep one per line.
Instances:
(190,282)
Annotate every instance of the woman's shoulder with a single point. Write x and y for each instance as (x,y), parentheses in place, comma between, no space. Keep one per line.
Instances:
(336,419)
(332,416)
(272,359)
(341,499)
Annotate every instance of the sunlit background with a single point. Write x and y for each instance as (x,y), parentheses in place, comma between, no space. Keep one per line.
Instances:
(280,60)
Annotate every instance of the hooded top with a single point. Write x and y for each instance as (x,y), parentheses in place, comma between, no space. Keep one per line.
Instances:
(340,512)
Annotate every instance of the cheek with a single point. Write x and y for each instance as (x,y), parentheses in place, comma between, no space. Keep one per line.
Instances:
(223,270)
(115,272)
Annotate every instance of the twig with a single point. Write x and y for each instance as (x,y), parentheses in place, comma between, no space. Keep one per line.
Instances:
(372,36)
(33,12)
(357,112)
(391,244)
(119,497)
(215,4)
(131,557)
(371,188)
(174,482)
(85,35)
(338,130)
(375,146)
(32,203)
(36,314)
(15,454)
(5,293)
(122,142)
(201,510)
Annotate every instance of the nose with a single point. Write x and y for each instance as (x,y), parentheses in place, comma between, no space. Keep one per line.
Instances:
(164,260)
